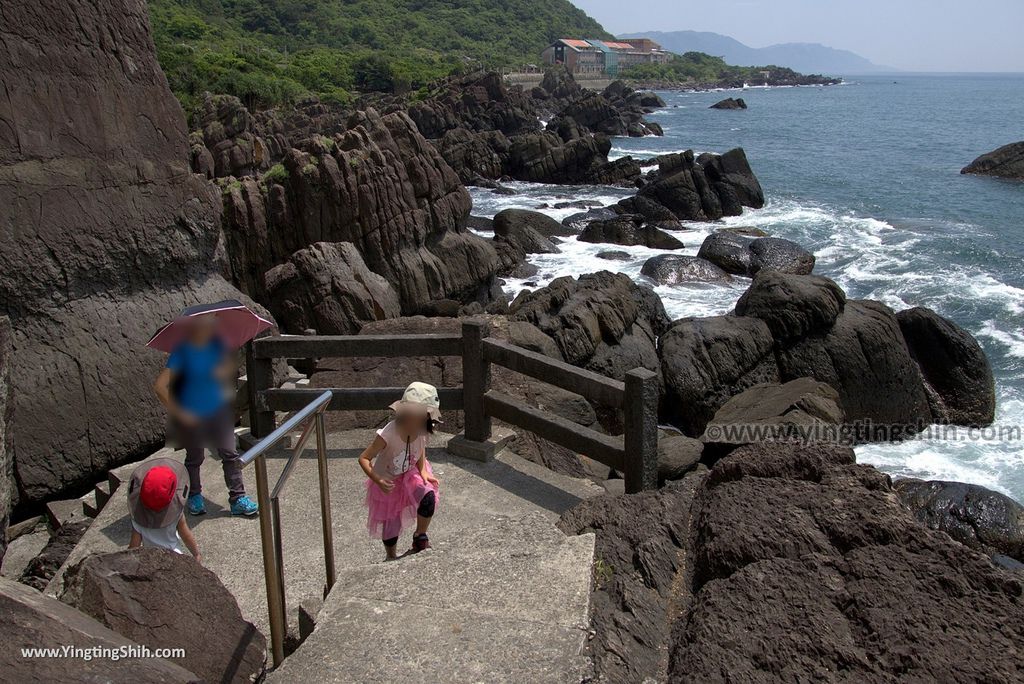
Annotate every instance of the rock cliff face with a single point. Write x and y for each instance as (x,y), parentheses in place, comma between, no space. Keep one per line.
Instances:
(6,451)
(379,186)
(104,233)
(486,129)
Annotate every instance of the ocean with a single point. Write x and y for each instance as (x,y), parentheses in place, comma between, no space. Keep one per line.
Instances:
(866,175)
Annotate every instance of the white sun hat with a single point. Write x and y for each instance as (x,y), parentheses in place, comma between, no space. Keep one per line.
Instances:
(422,398)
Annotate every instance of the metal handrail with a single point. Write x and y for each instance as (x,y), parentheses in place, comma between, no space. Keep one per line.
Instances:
(310,418)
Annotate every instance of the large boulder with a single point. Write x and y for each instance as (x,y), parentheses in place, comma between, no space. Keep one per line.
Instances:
(705,361)
(379,185)
(733,180)
(676,269)
(956,372)
(509,220)
(6,453)
(1005,162)
(327,287)
(805,565)
(792,306)
(30,619)
(104,235)
(601,321)
(779,254)
(158,599)
(864,356)
(973,515)
(747,255)
(803,410)
(628,231)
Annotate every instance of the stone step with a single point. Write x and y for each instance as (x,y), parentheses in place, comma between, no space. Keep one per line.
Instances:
(505,600)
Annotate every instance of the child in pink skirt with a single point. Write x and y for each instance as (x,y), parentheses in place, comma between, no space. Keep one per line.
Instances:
(401,486)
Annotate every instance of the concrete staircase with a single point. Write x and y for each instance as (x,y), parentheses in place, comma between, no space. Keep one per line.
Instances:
(502,596)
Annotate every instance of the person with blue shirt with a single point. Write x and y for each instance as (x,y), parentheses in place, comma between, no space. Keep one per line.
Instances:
(195,389)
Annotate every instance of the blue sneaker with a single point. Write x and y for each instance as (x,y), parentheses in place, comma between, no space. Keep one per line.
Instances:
(243,505)
(196,505)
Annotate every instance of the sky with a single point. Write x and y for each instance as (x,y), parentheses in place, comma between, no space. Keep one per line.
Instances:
(913,35)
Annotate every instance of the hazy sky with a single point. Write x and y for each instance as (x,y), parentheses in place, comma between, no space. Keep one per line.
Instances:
(916,35)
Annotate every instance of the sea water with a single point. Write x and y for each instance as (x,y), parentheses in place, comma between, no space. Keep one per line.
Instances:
(866,175)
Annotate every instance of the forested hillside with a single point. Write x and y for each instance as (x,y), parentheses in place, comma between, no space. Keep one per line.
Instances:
(698,68)
(272,51)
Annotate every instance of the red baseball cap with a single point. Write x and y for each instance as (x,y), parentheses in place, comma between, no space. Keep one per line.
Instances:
(158,488)
(157,491)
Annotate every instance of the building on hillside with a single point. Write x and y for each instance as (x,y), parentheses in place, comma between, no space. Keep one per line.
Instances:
(603,58)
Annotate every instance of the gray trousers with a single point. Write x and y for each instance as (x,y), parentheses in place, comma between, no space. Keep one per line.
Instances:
(218,433)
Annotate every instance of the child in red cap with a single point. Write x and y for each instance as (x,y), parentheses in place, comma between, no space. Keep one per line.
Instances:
(157,491)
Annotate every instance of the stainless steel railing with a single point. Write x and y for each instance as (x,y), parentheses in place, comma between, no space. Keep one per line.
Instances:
(310,418)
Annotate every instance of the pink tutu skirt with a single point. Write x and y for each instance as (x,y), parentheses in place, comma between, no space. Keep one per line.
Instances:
(389,513)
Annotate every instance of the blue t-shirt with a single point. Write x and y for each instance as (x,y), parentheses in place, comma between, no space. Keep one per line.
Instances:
(200,392)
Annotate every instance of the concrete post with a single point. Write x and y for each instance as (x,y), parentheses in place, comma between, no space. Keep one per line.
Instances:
(641,436)
(476,380)
(260,374)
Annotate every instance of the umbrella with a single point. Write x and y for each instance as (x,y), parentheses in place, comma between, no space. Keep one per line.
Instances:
(236,325)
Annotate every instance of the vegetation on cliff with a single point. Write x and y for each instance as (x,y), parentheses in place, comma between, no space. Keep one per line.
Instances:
(268,52)
(698,68)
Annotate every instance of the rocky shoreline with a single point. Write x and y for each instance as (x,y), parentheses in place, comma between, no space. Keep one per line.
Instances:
(733,84)
(758,558)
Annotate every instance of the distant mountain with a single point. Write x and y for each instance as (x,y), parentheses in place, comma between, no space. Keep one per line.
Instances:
(807,58)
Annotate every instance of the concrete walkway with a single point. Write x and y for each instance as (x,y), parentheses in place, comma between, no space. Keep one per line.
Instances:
(502,596)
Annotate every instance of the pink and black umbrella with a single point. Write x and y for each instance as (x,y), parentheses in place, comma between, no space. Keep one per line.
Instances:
(236,325)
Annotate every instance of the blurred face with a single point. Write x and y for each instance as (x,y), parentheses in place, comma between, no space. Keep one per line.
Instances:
(202,329)
(412,422)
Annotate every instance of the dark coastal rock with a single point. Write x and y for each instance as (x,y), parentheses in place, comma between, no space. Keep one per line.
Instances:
(30,617)
(674,269)
(677,456)
(614,255)
(706,361)
(480,223)
(729,251)
(6,452)
(156,598)
(971,514)
(733,181)
(646,207)
(475,155)
(577,222)
(507,220)
(864,356)
(682,187)
(781,255)
(515,236)
(327,287)
(802,572)
(1005,162)
(803,410)
(380,186)
(479,101)
(114,236)
(628,230)
(595,319)
(730,103)
(639,539)
(739,253)
(792,306)
(956,372)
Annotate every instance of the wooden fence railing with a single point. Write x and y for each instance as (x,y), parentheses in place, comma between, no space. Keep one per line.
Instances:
(635,453)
